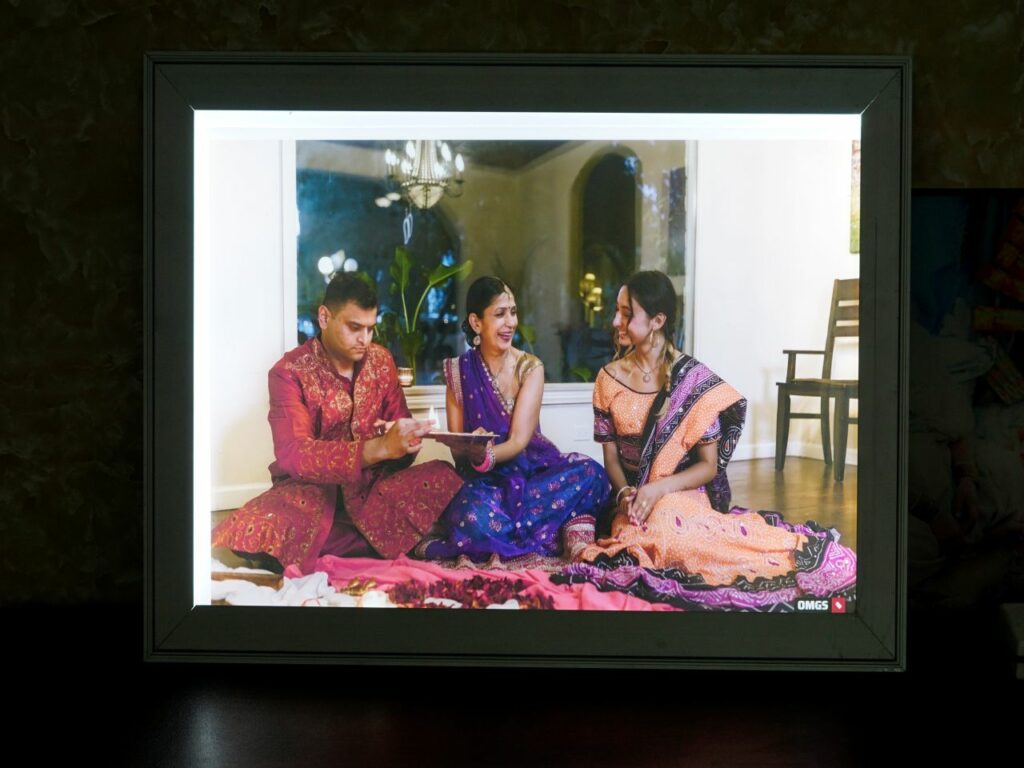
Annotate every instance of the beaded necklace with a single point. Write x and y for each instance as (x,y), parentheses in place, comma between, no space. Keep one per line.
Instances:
(507,403)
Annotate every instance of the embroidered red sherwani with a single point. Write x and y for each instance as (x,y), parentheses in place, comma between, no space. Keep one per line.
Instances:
(320,420)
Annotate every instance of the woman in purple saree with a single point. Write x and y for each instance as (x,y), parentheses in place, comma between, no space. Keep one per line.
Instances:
(522,497)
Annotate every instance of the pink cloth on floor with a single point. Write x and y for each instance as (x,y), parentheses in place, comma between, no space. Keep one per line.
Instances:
(387,573)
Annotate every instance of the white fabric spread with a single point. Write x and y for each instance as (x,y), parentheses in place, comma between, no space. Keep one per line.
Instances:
(309,591)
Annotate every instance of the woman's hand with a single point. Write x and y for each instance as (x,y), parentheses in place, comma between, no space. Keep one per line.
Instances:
(623,500)
(642,503)
(477,452)
(698,474)
(474,453)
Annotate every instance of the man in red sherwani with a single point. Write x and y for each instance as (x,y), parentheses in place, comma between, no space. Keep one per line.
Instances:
(343,443)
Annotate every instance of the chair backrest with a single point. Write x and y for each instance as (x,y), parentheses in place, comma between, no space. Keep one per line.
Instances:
(843,318)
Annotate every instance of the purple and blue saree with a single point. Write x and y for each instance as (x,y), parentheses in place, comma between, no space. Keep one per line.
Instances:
(531,505)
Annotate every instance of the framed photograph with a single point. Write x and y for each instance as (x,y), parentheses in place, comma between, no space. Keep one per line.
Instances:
(268,176)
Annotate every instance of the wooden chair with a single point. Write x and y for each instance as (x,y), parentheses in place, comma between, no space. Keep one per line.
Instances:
(843,320)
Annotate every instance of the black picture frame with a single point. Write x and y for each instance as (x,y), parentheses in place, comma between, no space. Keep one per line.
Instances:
(878,88)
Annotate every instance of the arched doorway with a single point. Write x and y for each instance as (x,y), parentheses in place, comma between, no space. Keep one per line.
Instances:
(605,253)
(609,225)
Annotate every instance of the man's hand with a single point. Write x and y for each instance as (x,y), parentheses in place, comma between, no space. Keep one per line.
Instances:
(405,436)
(395,439)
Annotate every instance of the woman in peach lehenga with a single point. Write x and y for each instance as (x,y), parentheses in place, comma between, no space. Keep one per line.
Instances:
(669,426)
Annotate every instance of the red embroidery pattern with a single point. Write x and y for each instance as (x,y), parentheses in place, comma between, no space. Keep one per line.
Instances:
(283,522)
(318,429)
(401,507)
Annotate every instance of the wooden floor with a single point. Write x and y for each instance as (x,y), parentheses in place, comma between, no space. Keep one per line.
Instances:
(804,490)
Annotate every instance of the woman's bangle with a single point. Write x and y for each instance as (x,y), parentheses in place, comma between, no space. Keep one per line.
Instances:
(489,461)
(622,490)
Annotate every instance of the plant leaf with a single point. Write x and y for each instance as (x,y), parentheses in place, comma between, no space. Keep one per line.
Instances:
(404,264)
(582,372)
(440,273)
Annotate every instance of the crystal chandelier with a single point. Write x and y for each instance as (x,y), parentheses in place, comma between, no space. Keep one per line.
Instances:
(426,172)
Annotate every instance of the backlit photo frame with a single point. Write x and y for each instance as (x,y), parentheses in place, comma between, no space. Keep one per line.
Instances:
(182,88)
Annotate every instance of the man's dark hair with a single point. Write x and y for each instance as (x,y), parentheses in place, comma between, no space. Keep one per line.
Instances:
(348,286)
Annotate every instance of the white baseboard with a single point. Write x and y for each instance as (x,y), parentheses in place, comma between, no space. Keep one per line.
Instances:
(234,496)
(803,450)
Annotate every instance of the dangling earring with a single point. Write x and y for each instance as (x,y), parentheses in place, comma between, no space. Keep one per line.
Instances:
(476,340)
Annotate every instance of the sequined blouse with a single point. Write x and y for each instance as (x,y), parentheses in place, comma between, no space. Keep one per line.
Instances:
(620,413)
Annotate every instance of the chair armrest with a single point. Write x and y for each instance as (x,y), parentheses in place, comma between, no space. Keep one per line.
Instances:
(791,361)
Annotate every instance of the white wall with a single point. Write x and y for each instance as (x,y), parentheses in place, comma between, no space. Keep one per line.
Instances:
(249,278)
(772,229)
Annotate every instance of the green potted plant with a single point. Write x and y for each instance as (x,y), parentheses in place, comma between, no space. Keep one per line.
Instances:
(404,327)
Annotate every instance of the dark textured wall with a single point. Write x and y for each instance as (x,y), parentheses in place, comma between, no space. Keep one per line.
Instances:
(71,205)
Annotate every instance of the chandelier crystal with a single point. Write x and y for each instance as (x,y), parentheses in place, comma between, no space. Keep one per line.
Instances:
(426,171)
